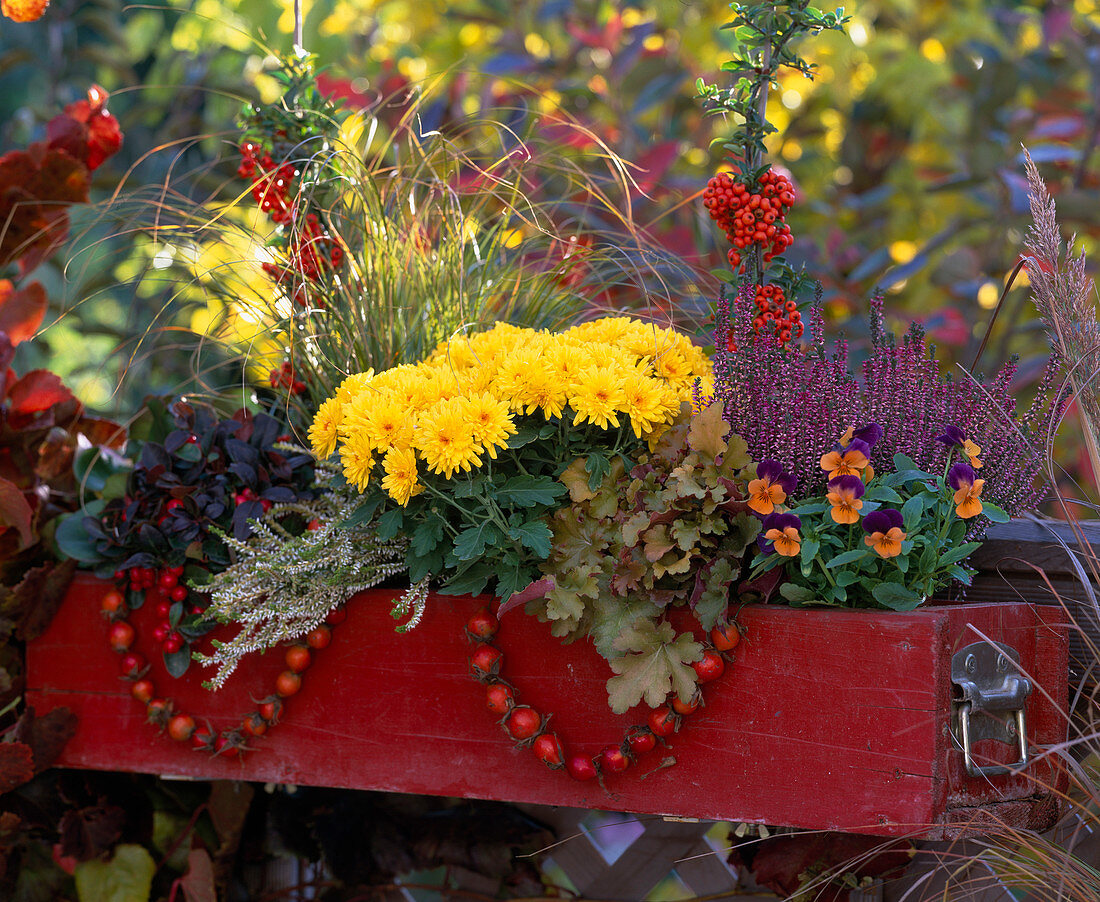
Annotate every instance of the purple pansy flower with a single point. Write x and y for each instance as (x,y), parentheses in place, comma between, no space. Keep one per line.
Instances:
(847,485)
(776,521)
(773,471)
(952,435)
(883,520)
(870,434)
(960,474)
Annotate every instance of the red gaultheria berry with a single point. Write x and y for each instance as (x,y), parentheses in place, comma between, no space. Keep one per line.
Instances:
(499,698)
(523,722)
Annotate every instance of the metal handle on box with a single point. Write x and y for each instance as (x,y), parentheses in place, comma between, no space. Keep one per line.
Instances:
(992,703)
(992,770)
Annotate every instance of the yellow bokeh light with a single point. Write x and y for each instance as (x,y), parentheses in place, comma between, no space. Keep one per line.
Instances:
(903,251)
(1029,37)
(653,42)
(933,50)
(537,46)
(987,295)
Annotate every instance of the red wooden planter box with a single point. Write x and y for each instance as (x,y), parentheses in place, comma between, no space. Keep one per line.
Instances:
(827,719)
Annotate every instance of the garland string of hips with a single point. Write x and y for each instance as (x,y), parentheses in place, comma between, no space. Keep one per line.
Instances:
(161,711)
(528,728)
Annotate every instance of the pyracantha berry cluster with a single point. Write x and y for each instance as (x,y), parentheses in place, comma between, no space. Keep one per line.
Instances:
(751,218)
(310,251)
(777,314)
(285,378)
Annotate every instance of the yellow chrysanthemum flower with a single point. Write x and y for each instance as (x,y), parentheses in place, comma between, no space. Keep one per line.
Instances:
(401,479)
(356,457)
(353,385)
(445,438)
(389,425)
(491,421)
(566,362)
(324,430)
(643,402)
(521,375)
(597,396)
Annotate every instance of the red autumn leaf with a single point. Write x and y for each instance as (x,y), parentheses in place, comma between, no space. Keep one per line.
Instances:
(90,832)
(39,595)
(96,131)
(198,883)
(16,513)
(36,391)
(45,735)
(16,765)
(36,187)
(102,432)
(654,165)
(21,310)
(781,862)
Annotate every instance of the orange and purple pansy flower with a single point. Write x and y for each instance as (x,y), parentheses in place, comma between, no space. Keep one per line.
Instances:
(954,437)
(962,478)
(844,495)
(771,486)
(852,454)
(884,532)
(782,531)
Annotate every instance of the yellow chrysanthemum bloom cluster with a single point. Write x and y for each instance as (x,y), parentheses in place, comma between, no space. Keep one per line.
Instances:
(460,405)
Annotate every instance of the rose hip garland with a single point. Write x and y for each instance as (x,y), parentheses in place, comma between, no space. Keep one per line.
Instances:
(161,711)
(528,728)
(749,218)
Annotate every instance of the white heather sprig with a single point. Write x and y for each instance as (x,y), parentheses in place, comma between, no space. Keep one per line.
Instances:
(282,586)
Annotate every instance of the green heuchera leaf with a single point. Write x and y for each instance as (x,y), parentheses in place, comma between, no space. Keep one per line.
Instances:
(566,600)
(612,617)
(127,877)
(708,431)
(575,478)
(655,662)
(711,605)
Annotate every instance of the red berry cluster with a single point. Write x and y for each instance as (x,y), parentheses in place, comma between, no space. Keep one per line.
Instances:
(776,314)
(528,728)
(162,711)
(748,218)
(284,377)
(310,250)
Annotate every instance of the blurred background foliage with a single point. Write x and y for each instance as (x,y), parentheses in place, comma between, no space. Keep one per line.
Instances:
(905,148)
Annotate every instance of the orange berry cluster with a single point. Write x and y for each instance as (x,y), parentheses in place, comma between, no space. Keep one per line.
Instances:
(777,314)
(748,218)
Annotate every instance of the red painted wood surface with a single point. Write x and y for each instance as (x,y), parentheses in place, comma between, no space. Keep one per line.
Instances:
(827,719)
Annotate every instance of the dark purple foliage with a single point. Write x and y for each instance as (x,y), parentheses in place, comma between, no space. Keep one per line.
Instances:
(793,404)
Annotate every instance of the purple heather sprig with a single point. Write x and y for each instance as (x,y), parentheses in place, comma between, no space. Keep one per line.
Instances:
(792,404)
